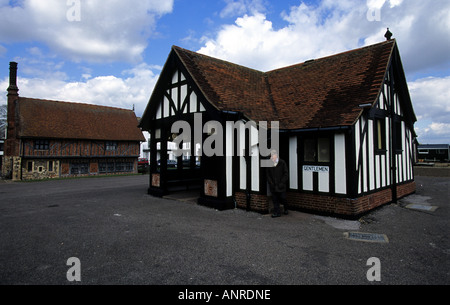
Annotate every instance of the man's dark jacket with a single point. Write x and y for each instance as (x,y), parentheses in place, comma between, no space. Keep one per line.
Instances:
(278,176)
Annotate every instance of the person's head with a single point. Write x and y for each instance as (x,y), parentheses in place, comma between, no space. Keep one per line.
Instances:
(273,155)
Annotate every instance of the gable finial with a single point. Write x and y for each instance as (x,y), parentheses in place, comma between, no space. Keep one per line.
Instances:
(388,34)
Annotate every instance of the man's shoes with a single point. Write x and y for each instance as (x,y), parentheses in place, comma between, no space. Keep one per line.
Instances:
(276,215)
(286,212)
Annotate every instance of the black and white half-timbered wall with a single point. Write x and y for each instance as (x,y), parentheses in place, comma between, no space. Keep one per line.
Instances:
(344,124)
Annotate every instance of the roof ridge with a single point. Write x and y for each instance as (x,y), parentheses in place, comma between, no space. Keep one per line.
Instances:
(289,66)
(334,55)
(74,103)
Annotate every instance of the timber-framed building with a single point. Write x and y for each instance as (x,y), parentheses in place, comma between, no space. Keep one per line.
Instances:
(346,130)
(54,139)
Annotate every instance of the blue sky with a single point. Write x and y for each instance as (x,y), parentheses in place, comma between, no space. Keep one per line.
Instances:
(111,52)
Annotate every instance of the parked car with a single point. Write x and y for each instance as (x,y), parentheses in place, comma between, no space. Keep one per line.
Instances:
(143,165)
(170,163)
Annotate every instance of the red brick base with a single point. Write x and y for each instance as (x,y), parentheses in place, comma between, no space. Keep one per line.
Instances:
(258,203)
(323,204)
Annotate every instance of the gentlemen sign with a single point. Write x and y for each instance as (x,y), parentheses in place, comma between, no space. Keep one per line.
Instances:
(314,168)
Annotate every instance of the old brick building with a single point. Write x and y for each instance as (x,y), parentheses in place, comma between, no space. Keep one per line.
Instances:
(50,139)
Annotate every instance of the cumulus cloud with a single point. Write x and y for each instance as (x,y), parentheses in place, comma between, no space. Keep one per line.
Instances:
(431,101)
(329,27)
(309,32)
(132,88)
(89,29)
(422,31)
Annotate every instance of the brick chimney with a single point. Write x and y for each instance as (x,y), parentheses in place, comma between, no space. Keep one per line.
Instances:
(12,89)
(12,142)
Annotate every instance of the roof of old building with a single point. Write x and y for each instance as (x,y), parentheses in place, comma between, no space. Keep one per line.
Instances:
(64,120)
(319,93)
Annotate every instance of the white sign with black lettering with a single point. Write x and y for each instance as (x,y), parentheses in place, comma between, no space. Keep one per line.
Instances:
(315,168)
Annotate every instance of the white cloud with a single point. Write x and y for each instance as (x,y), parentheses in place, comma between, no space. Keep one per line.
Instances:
(252,41)
(431,101)
(106,30)
(422,30)
(329,27)
(440,128)
(134,87)
(431,98)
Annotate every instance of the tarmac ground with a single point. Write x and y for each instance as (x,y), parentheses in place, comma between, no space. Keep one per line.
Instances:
(121,235)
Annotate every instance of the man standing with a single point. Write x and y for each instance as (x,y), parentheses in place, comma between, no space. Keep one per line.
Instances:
(277,176)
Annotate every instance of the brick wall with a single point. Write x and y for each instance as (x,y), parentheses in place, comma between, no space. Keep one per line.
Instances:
(406,189)
(258,203)
(323,204)
(345,206)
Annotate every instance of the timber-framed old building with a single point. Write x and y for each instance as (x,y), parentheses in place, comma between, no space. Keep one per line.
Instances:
(346,130)
(52,139)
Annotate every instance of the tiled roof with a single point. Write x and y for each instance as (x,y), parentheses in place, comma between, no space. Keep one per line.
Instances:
(63,120)
(324,92)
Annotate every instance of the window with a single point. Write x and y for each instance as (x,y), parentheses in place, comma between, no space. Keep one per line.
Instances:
(129,166)
(41,144)
(316,150)
(111,145)
(380,135)
(30,166)
(50,166)
(102,167)
(111,167)
(120,167)
(79,168)
(310,150)
(324,149)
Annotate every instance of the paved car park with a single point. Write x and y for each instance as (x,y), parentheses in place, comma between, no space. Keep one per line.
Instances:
(121,235)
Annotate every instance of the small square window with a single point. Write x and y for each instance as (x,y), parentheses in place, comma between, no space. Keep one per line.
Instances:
(111,145)
(316,150)
(41,144)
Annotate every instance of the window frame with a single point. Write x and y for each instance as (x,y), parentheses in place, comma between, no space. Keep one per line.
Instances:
(79,168)
(41,144)
(316,143)
(379,135)
(111,145)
